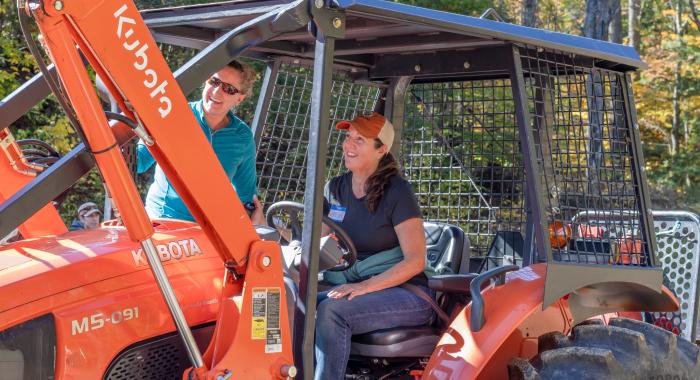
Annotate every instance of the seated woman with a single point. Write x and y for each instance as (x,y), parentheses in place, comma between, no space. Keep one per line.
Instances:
(379,211)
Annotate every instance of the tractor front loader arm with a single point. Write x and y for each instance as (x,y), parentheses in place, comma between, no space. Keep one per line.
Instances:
(16,172)
(116,42)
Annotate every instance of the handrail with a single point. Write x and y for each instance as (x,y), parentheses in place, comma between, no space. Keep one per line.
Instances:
(476,319)
(491,12)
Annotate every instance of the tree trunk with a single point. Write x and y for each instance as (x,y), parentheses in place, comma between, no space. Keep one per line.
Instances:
(679,30)
(686,139)
(597,19)
(633,18)
(596,24)
(676,121)
(529,14)
(694,13)
(615,29)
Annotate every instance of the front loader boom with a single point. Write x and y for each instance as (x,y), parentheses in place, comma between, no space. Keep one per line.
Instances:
(113,38)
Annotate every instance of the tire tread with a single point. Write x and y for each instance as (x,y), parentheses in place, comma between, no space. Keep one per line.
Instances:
(624,349)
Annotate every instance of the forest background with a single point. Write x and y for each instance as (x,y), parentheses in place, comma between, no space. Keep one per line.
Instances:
(666,33)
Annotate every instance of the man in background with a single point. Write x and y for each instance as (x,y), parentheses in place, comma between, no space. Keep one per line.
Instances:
(88,217)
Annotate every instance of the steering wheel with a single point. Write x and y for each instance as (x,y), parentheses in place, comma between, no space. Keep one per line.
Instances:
(293,209)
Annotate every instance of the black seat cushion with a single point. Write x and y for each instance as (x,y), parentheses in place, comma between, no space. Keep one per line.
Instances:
(392,336)
(402,342)
(447,247)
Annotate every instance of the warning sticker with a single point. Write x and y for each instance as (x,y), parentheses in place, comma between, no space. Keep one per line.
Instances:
(259,313)
(266,318)
(274,334)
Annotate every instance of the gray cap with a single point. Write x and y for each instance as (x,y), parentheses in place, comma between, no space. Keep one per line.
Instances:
(88,208)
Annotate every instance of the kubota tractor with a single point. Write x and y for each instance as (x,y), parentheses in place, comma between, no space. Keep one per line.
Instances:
(521,144)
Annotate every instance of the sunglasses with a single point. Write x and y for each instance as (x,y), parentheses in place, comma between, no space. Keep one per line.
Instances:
(225,87)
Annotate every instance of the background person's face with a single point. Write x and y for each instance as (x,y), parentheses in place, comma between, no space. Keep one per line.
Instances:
(216,102)
(91,221)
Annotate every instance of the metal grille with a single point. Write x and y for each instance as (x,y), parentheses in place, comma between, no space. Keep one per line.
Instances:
(164,359)
(461,152)
(678,242)
(281,161)
(584,153)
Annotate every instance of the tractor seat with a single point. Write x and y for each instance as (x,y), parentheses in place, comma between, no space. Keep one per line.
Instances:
(448,251)
(419,341)
(447,247)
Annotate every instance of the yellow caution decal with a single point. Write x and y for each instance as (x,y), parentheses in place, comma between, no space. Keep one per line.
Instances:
(266,318)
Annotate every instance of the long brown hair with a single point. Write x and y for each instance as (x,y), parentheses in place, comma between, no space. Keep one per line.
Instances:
(379,180)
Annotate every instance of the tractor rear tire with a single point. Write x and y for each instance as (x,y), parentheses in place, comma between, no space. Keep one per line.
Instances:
(624,349)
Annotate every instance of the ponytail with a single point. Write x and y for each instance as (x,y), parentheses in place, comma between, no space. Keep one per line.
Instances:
(379,180)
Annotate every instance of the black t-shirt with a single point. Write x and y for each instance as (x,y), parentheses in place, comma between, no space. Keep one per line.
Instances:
(371,232)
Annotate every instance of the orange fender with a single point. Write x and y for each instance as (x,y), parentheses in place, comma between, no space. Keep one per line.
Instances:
(514,321)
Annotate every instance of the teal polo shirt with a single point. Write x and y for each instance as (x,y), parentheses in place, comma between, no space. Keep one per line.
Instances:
(234,145)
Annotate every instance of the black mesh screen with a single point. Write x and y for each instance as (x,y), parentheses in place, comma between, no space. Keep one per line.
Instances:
(585,154)
(282,149)
(461,151)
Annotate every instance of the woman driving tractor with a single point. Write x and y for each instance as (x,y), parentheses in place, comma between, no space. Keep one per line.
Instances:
(378,210)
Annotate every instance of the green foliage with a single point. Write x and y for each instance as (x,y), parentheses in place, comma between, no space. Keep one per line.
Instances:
(16,63)
(670,147)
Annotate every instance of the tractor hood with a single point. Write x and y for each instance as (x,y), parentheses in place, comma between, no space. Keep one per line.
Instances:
(36,268)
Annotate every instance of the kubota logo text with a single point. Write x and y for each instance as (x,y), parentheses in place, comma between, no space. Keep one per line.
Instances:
(141,62)
(168,251)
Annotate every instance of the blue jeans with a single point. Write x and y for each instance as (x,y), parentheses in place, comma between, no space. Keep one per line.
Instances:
(337,320)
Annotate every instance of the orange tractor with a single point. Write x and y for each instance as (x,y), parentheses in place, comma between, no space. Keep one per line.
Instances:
(510,135)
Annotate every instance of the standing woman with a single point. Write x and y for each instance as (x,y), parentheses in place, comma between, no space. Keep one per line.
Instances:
(230,137)
(378,210)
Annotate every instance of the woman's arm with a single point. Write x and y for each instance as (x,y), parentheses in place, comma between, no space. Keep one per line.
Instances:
(144,158)
(412,240)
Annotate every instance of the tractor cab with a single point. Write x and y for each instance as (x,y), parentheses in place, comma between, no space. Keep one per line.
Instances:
(521,145)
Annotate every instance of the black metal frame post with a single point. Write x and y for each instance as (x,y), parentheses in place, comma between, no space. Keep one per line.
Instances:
(640,178)
(543,121)
(529,251)
(268,86)
(534,189)
(21,100)
(48,185)
(305,315)
(394,108)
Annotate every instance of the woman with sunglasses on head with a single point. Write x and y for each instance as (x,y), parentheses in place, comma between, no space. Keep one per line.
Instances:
(230,137)
(380,213)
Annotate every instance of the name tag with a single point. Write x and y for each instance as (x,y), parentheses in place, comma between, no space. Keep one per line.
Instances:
(337,213)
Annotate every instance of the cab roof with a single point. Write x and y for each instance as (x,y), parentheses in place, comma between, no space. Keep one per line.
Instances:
(373,28)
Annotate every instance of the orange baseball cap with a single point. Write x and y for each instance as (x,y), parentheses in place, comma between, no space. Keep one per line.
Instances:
(374,126)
